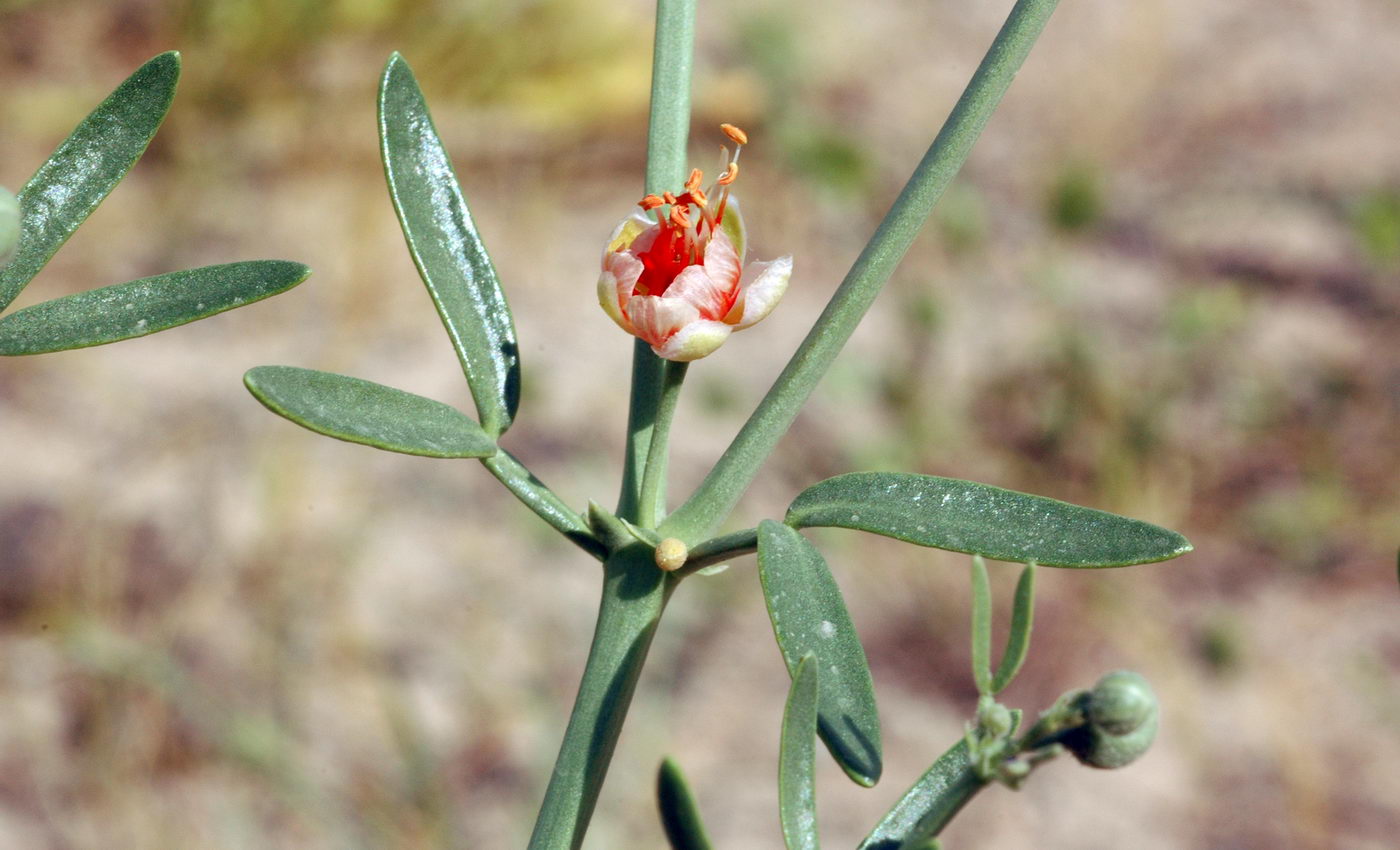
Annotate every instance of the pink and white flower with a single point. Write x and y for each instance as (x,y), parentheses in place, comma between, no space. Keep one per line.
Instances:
(679,281)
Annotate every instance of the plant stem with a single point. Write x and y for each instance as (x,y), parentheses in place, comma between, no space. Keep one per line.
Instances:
(925,810)
(717,550)
(667,133)
(721,489)
(653,500)
(634,595)
(543,501)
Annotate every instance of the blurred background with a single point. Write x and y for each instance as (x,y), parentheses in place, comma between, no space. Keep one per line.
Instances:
(1167,285)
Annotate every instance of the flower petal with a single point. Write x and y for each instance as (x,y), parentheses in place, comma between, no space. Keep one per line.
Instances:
(764,286)
(694,341)
(656,318)
(697,286)
(620,274)
(722,262)
(636,232)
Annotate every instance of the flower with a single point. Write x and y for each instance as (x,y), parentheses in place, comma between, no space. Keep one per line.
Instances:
(679,281)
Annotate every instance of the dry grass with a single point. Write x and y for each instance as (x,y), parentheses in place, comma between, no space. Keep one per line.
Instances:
(1167,285)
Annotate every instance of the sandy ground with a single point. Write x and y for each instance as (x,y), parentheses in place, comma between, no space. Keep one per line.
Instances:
(1168,285)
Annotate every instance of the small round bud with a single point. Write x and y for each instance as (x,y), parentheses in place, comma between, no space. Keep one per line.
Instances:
(671,554)
(1121,702)
(9,226)
(1122,722)
(995,720)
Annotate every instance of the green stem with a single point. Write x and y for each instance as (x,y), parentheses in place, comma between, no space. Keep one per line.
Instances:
(667,133)
(653,500)
(634,595)
(926,809)
(543,501)
(721,489)
(717,550)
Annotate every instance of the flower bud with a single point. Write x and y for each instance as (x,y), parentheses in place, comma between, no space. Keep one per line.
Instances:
(9,226)
(1122,722)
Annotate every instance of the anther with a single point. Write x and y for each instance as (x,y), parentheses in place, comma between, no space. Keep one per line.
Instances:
(693,181)
(739,137)
(668,198)
(697,197)
(650,202)
(680,216)
(730,172)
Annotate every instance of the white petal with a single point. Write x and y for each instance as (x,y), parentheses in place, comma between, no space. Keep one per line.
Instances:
(694,341)
(764,286)
(656,318)
(721,261)
(615,285)
(695,285)
(636,232)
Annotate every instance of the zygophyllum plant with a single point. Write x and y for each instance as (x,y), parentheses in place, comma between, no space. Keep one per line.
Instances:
(674,275)
(60,196)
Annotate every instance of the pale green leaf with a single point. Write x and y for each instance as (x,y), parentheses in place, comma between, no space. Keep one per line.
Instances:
(364,412)
(142,307)
(963,516)
(447,248)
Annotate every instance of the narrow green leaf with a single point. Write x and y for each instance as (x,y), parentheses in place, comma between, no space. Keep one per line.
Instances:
(797,792)
(141,307)
(367,413)
(1019,640)
(929,803)
(979,519)
(981,627)
(809,617)
(447,248)
(680,816)
(85,168)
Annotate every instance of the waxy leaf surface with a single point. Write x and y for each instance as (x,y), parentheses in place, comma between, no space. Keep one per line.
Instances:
(364,412)
(141,307)
(680,817)
(809,616)
(964,516)
(447,248)
(86,167)
(797,787)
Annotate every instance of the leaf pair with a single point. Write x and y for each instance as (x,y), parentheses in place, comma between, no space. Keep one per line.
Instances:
(65,190)
(454,265)
(1017,642)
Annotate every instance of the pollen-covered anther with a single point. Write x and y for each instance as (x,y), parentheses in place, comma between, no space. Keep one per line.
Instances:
(650,202)
(730,173)
(739,137)
(698,197)
(693,181)
(680,216)
(668,198)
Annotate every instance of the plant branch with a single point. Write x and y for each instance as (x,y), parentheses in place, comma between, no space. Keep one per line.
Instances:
(653,499)
(634,595)
(722,488)
(667,133)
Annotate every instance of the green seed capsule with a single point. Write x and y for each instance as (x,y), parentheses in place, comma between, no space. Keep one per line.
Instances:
(9,226)
(1122,715)
(1121,702)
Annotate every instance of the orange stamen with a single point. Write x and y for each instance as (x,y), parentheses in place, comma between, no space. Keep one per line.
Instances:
(668,198)
(697,197)
(693,181)
(650,202)
(739,137)
(730,172)
(680,216)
